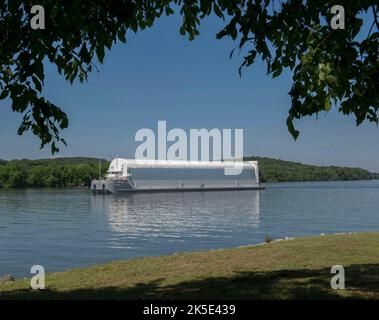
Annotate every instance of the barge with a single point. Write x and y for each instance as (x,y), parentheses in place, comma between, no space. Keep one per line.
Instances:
(130,176)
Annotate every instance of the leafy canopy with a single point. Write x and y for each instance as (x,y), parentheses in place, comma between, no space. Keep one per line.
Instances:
(329,67)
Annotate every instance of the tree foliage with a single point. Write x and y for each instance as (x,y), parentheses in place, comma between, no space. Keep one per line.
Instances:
(329,67)
(61,172)
(276,170)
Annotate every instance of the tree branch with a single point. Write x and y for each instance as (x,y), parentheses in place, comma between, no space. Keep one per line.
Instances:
(375,11)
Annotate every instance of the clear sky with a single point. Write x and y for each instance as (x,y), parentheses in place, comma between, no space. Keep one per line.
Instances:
(160,75)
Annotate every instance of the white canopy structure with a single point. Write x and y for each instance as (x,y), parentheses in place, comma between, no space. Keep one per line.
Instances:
(121,165)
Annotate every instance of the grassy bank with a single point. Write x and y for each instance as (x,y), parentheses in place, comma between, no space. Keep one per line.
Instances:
(298,268)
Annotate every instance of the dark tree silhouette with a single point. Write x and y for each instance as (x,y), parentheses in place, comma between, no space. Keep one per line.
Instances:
(329,67)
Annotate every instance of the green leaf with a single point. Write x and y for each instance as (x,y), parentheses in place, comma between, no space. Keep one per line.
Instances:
(121,35)
(304,59)
(37,83)
(277,72)
(217,11)
(4,94)
(169,11)
(332,80)
(295,133)
(100,53)
(327,105)
(38,69)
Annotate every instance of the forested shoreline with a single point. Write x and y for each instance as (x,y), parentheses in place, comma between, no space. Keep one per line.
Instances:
(59,172)
(276,170)
(79,171)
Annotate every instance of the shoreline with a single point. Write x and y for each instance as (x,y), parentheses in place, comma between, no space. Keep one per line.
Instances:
(263,184)
(73,171)
(277,270)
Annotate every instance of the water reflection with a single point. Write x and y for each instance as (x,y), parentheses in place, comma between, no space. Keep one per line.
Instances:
(181,215)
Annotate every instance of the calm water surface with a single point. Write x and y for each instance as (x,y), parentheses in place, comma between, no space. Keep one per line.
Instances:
(62,229)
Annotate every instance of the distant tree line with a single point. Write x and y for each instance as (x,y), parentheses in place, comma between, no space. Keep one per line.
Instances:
(70,172)
(274,170)
(61,172)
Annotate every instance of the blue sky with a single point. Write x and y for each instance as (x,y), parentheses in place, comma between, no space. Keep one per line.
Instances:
(160,75)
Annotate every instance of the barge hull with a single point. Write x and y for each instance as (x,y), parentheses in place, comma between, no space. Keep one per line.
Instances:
(106,187)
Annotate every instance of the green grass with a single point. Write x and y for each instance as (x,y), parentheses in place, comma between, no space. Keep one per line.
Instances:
(294,269)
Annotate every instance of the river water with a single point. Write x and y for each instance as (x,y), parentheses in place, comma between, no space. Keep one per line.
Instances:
(65,229)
